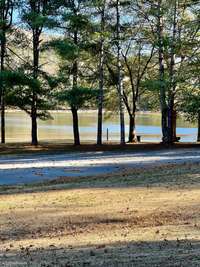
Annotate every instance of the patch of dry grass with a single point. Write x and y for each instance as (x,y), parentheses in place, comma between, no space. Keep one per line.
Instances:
(58,146)
(138,218)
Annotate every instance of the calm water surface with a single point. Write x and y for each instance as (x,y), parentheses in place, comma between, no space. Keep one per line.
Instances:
(18,127)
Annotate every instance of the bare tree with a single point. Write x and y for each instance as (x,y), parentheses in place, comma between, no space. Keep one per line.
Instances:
(101,75)
(119,74)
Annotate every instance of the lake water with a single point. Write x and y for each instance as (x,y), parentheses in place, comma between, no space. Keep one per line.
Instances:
(18,127)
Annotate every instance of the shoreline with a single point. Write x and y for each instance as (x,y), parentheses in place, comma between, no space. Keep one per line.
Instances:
(64,147)
(89,111)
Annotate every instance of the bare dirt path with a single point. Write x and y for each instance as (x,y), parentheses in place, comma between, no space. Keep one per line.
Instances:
(38,167)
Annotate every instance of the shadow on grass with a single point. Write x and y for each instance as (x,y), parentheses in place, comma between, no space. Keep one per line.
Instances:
(164,253)
(56,224)
(50,147)
(168,176)
(31,169)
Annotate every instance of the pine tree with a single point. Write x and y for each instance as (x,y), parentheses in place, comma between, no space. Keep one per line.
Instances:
(72,49)
(6,23)
(37,15)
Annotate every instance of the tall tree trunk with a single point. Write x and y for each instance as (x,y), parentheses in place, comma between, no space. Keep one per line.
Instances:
(171,121)
(101,80)
(34,133)
(34,126)
(163,104)
(6,17)
(198,135)
(74,110)
(174,125)
(3,51)
(120,85)
(172,116)
(172,83)
(132,129)
(3,139)
(165,130)
(75,84)
(75,127)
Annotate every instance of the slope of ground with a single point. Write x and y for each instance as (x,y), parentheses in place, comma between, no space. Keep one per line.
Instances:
(133,218)
(36,168)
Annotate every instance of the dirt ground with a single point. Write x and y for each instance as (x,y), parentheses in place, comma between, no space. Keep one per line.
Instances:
(135,218)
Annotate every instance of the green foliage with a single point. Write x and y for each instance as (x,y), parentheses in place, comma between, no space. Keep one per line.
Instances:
(190,104)
(77,21)
(34,19)
(19,93)
(65,48)
(20,96)
(154,85)
(14,78)
(77,97)
(39,14)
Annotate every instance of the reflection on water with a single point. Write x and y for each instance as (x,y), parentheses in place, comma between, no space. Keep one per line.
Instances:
(18,127)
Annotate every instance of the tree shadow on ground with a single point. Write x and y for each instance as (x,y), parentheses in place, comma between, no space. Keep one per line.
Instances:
(164,253)
(60,147)
(36,169)
(168,176)
(52,223)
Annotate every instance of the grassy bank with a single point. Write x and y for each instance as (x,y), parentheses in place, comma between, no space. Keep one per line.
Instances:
(145,218)
(43,147)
